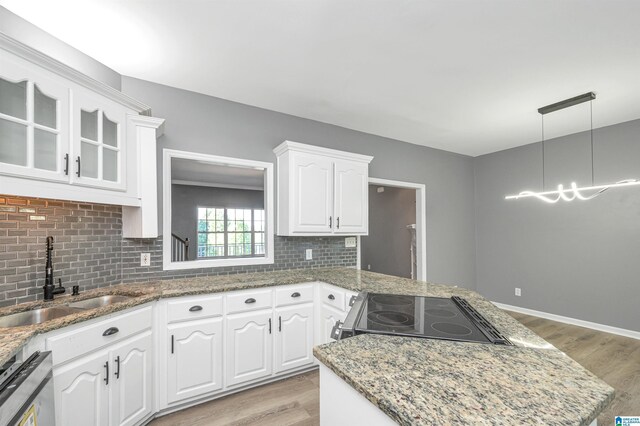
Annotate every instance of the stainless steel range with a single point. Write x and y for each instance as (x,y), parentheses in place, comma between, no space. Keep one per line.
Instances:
(417,316)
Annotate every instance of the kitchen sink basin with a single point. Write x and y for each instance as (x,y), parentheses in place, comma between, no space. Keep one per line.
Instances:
(97,302)
(36,316)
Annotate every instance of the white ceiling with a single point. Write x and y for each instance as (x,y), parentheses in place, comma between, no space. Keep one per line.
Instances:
(462,75)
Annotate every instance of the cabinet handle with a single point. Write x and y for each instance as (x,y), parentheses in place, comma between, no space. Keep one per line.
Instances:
(172,343)
(279,323)
(330,222)
(66,164)
(250,300)
(78,161)
(110,331)
(269,325)
(296,294)
(106,376)
(331,297)
(118,367)
(338,222)
(195,308)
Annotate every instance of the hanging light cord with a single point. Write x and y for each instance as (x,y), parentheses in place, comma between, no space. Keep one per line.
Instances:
(592,174)
(542,116)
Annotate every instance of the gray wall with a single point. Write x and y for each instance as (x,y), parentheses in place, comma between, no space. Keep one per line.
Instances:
(387,247)
(578,259)
(27,33)
(211,125)
(187,198)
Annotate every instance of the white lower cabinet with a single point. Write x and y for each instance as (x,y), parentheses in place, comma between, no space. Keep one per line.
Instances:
(195,359)
(132,380)
(112,386)
(328,318)
(294,338)
(81,393)
(249,347)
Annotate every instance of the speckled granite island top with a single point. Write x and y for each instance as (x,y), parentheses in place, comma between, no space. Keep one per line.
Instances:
(434,382)
(413,380)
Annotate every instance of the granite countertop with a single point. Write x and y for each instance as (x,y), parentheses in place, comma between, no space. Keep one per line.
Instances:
(531,374)
(435,382)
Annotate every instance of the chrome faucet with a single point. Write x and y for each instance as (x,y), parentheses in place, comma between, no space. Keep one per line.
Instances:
(49,289)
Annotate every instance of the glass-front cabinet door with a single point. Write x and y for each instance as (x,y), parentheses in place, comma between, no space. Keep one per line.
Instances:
(98,135)
(33,123)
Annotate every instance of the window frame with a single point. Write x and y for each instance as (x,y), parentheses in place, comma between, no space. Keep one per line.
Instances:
(269,211)
(226,233)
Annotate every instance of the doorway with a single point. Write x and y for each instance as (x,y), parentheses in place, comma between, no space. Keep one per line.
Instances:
(396,244)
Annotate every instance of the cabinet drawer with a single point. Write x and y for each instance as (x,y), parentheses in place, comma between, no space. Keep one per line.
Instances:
(332,296)
(292,295)
(85,339)
(249,301)
(188,308)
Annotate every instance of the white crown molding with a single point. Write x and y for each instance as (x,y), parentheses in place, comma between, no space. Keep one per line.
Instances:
(147,121)
(312,149)
(573,321)
(36,57)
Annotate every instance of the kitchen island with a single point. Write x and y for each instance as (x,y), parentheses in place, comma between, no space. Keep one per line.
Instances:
(412,381)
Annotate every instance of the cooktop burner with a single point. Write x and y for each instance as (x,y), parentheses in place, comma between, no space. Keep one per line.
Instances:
(418,316)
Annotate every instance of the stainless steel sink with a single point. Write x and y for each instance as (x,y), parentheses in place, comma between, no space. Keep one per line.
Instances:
(36,316)
(97,302)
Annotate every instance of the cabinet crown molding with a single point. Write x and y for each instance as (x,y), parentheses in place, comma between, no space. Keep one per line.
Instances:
(312,149)
(36,57)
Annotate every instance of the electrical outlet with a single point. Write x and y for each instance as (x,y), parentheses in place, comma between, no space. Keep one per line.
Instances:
(350,242)
(145,259)
(308,254)
(518,292)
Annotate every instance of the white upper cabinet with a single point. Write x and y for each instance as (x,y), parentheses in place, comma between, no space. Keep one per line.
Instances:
(313,189)
(34,123)
(98,142)
(66,136)
(351,197)
(321,191)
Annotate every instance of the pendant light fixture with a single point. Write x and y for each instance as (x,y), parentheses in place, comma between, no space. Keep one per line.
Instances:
(573,192)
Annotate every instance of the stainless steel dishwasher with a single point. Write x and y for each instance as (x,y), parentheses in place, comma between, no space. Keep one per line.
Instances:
(26,392)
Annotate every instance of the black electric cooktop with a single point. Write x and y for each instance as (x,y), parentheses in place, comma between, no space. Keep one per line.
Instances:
(427,317)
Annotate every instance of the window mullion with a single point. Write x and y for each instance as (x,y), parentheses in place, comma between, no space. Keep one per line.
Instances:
(226,235)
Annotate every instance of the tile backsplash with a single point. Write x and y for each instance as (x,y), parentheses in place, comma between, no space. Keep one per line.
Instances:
(89,249)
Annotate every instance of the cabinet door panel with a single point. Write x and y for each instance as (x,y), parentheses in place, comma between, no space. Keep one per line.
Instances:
(312,193)
(294,337)
(195,360)
(132,379)
(98,136)
(351,197)
(81,394)
(249,347)
(34,121)
(328,318)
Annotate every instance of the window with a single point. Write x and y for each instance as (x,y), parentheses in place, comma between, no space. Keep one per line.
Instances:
(226,232)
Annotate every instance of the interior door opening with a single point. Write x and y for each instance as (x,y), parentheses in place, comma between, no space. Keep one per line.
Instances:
(397,222)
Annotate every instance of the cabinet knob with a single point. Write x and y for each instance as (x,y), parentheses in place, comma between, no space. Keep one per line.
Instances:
(296,294)
(110,331)
(331,297)
(195,308)
(250,300)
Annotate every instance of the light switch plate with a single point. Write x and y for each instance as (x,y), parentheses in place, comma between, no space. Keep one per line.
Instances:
(350,242)
(308,254)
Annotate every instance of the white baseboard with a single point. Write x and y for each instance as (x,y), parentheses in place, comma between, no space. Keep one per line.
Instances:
(572,321)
